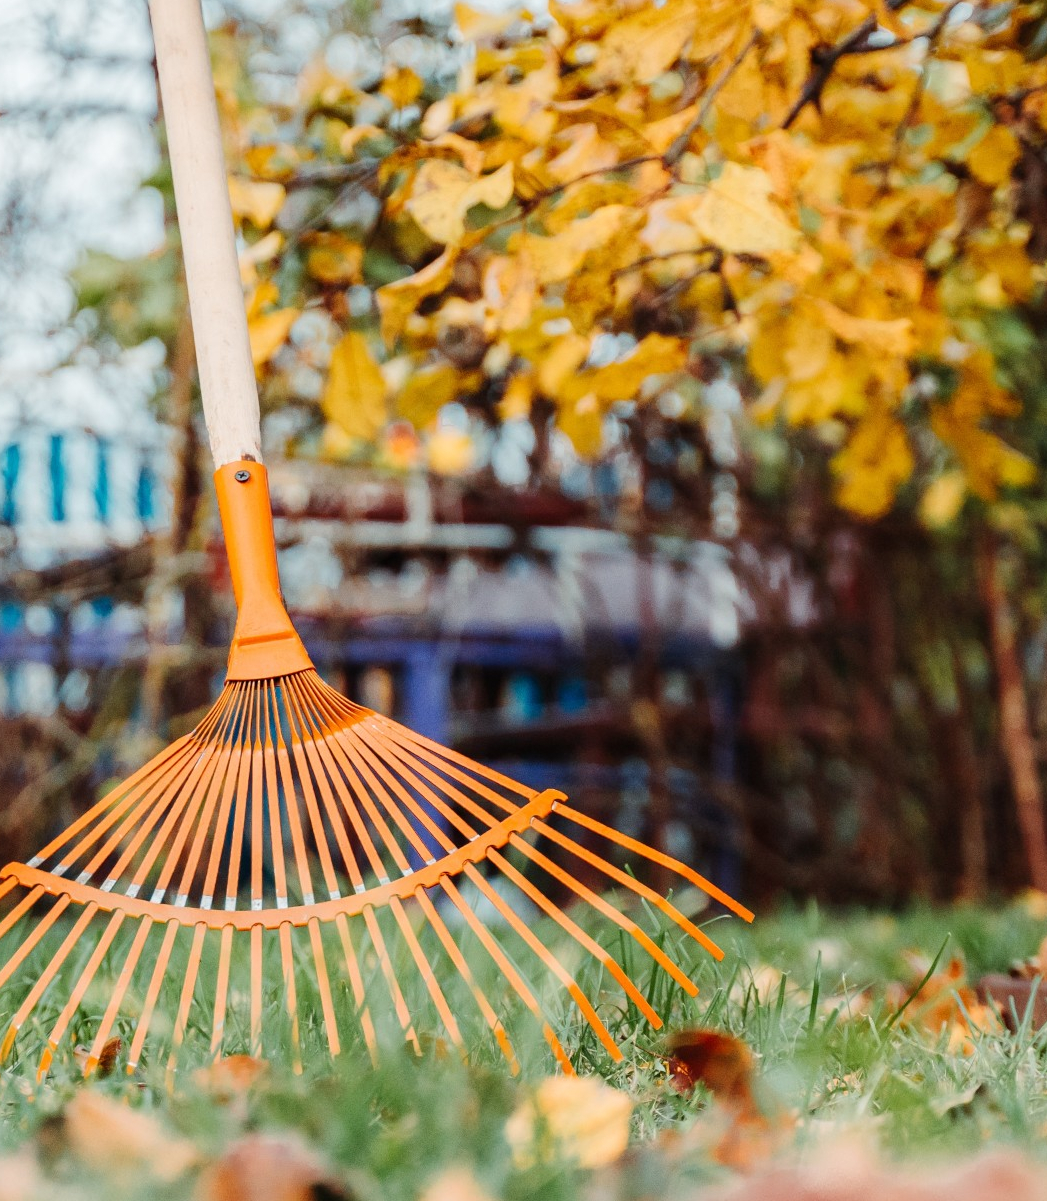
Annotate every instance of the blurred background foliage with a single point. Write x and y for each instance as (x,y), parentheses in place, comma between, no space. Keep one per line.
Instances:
(763,277)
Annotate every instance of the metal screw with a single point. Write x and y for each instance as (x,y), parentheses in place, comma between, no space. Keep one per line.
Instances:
(242,476)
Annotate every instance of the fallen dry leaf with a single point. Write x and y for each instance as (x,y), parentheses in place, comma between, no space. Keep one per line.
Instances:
(734,1130)
(581,1118)
(106,1057)
(269,1167)
(20,1178)
(112,1137)
(231,1075)
(944,1003)
(722,1063)
(455,1184)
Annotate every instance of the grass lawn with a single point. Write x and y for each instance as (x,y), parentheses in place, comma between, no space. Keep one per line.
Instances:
(815,997)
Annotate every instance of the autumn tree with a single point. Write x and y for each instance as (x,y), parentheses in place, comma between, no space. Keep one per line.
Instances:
(576,225)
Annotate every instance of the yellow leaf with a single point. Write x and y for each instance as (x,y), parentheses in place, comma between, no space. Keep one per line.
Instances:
(876,461)
(557,258)
(402,86)
(443,193)
(268,332)
(582,421)
(622,380)
(397,301)
(425,394)
(474,24)
(894,336)
(942,500)
(255,200)
(579,1117)
(992,159)
(122,1142)
(354,396)
(450,452)
(562,360)
(736,213)
(334,259)
(262,251)
(641,46)
(516,403)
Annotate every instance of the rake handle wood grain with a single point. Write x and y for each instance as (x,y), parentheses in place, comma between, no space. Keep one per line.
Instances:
(205,220)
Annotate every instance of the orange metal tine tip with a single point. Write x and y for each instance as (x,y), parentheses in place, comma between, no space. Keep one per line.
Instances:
(286,787)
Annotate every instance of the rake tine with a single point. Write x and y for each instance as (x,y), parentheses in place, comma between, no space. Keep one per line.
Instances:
(317,763)
(45,978)
(221,998)
(548,958)
(35,935)
(152,993)
(608,911)
(276,836)
(425,970)
(192,970)
(316,823)
(21,909)
(116,1000)
(294,817)
(458,959)
(403,1014)
(324,982)
(630,882)
(291,995)
(508,970)
(405,761)
(356,983)
(156,797)
(78,992)
(256,990)
(231,790)
(257,813)
(572,928)
(639,848)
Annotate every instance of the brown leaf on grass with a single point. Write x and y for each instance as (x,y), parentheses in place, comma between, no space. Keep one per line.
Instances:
(734,1130)
(114,1138)
(944,1003)
(722,1063)
(269,1167)
(106,1057)
(231,1075)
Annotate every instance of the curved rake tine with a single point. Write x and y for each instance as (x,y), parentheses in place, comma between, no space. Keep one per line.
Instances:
(505,965)
(77,995)
(34,936)
(571,927)
(630,882)
(608,911)
(45,978)
(425,970)
(15,916)
(291,996)
(458,959)
(152,993)
(324,982)
(294,817)
(94,1056)
(356,983)
(403,1014)
(549,959)
(192,970)
(221,998)
(639,848)
(256,991)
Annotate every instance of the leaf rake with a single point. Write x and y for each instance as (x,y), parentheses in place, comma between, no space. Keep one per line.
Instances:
(293,828)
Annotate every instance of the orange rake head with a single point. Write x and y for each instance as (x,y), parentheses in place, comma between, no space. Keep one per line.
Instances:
(295,828)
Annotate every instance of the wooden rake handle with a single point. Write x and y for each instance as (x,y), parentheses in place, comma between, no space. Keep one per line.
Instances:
(205,220)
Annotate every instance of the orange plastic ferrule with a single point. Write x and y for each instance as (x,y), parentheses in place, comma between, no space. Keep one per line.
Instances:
(265,643)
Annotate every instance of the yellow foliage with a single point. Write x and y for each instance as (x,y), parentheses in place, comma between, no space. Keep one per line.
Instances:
(354,398)
(704,178)
(579,1117)
(256,200)
(442,194)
